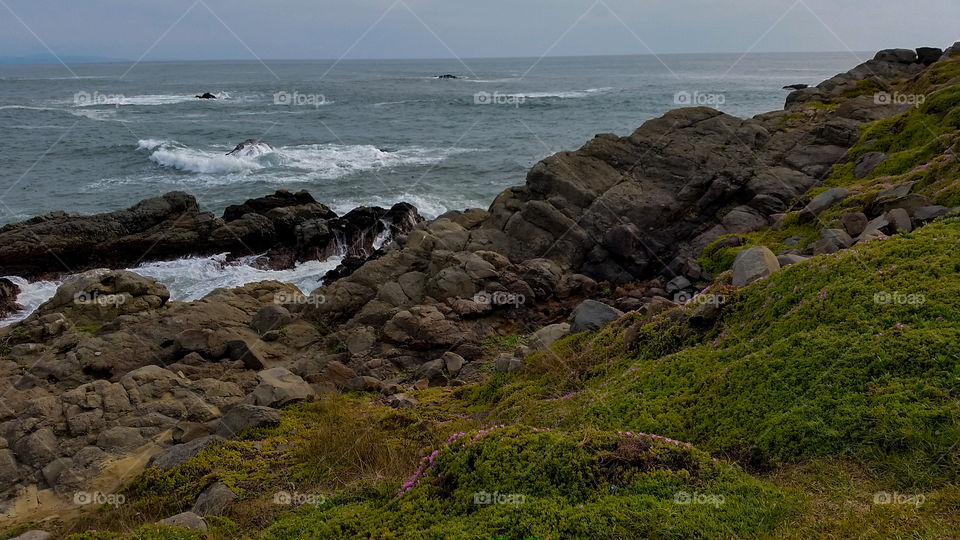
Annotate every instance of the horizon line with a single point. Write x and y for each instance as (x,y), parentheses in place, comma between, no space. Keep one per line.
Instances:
(27,60)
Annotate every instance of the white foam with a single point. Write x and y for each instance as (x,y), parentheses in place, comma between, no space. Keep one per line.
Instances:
(193,278)
(30,297)
(562,95)
(318,161)
(152,100)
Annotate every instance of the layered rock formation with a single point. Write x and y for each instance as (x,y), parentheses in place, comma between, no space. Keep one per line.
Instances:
(287,227)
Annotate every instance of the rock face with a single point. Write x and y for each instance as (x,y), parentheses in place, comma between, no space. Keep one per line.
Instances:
(292,227)
(8,298)
(592,316)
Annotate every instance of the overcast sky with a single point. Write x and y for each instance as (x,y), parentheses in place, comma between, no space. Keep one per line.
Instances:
(300,29)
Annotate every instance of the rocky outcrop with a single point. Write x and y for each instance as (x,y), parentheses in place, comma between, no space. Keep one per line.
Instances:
(8,297)
(288,227)
(110,367)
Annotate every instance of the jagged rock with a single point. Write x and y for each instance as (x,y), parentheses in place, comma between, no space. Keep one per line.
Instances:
(822,202)
(899,220)
(508,363)
(832,241)
(338,374)
(186,520)
(36,449)
(678,283)
(911,203)
(8,297)
(854,222)
(422,327)
(279,387)
(866,163)
(245,416)
(214,500)
(206,343)
(9,470)
(120,439)
(752,264)
(181,453)
(591,315)
(270,318)
(240,351)
(927,214)
(363,384)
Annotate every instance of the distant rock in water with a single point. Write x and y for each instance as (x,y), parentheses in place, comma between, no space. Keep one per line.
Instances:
(249,148)
(447,76)
(796,86)
(207,95)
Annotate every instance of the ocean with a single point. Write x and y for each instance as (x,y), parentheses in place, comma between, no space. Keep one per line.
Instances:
(352,133)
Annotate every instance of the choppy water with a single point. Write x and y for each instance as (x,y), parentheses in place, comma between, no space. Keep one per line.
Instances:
(352,133)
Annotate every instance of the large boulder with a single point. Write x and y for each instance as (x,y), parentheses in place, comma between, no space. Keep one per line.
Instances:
(245,416)
(179,454)
(214,500)
(591,315)
(279,387)
(752,264)
(832,241)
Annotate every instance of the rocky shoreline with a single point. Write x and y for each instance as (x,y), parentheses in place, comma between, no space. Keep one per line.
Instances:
(111,371)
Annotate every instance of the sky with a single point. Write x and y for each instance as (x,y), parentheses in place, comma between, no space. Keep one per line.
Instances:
(355,29)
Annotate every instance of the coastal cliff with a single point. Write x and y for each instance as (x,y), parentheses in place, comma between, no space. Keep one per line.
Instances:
(691,330)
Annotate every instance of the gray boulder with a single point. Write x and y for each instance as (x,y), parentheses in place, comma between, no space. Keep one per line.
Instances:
(214,500)
(822,202)
(181,453)
(854,222)
(548,335)
(186,520)
(245,416)
(279,387)
(927,214)
(832,241)
(591,315)
(752,264)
